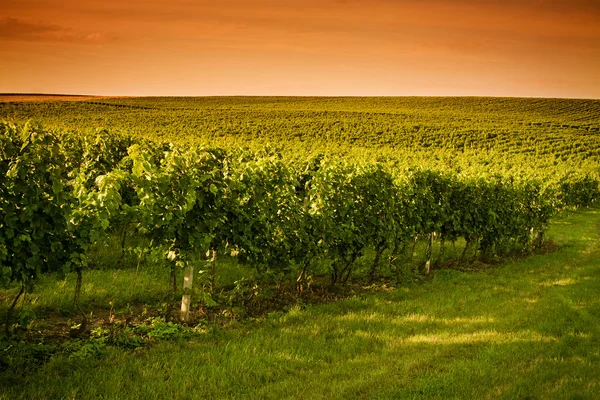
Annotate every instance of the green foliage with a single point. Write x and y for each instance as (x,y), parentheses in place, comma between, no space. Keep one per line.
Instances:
(50,211)
(276,215)
(312,207)
(263,212)
(33,200)
(161,330)
(25,318)
(545,138)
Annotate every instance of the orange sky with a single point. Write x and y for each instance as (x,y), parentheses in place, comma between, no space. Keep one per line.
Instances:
(548,48)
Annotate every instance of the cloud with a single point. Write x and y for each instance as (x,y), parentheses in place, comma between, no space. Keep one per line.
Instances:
(14,29)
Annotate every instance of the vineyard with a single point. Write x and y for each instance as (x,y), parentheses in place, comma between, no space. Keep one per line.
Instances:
(233,197)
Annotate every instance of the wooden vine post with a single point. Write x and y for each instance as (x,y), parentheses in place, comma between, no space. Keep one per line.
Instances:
(186,299)
(428,254)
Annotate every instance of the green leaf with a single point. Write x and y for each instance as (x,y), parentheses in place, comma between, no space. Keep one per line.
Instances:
(208,301)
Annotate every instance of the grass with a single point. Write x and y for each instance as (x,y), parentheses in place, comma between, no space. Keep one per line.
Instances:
(526,329)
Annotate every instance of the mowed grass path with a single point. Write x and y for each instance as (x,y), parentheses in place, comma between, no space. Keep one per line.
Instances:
(527,329)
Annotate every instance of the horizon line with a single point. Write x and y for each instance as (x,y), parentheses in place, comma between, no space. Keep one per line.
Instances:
(289,96)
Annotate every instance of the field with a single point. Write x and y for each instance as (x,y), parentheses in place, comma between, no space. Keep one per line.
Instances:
(339,247)
(487,130)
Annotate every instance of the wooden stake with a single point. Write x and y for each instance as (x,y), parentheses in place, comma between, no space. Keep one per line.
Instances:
(186,299)
(428,254)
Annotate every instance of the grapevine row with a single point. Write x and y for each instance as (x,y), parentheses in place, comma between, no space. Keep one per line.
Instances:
(61,193)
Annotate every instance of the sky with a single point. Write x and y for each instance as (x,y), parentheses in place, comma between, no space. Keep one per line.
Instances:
(523,48)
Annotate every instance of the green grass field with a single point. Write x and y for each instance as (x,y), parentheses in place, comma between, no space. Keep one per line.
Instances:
(526,329)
